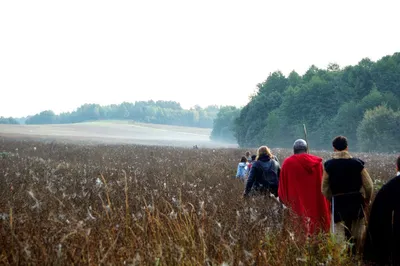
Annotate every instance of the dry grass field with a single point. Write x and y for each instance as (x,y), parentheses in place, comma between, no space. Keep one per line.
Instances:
(67,203)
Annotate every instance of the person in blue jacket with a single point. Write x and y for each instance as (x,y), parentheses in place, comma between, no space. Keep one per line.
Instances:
(241,172)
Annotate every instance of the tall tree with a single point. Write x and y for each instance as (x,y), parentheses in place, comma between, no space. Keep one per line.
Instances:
(329,101)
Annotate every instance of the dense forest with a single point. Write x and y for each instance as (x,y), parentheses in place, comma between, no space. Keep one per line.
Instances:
(157,112)
(224,124)
(8,120)
(361,102)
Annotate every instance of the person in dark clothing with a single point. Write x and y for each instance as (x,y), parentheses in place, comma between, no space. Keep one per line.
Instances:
(382,246)
(347,184)
(253,160)
(264,174)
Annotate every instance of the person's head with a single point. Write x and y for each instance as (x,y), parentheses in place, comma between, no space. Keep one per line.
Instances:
(253,157)
(247,154)
(300,146)
(340,143)
(243,160)
(398,164)
(264,151)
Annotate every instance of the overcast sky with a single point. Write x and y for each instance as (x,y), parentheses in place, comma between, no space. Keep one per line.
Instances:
(60,54)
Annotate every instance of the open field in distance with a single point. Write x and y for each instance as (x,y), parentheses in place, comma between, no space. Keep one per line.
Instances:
(116,132)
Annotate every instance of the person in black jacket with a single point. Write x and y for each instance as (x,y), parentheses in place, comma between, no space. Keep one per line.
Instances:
(382,243)
(264,174)
(347,184)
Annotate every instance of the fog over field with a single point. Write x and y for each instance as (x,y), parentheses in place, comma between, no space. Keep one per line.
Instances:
(116,132)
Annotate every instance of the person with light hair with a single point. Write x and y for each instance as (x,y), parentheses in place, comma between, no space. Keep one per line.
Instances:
(300,189)
(264,174)
(247,155)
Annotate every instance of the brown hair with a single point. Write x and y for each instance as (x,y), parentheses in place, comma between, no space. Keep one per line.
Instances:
(243,160)
(247,154)
(398,163)
(264,150)
(340,143)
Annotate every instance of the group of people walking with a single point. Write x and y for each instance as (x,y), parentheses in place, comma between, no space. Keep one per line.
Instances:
(331,196)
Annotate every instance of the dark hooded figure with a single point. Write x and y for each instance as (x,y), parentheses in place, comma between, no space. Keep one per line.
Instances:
(382,243)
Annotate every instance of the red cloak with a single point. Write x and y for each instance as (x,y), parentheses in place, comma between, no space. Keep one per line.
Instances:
(300,189)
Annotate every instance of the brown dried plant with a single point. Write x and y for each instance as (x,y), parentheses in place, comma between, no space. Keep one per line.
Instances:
(140,205)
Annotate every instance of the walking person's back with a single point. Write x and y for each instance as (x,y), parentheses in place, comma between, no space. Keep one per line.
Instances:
(348,185)
(247,155)
(264,174)
(241,171)
(382,245)
(300,189)
(251,162)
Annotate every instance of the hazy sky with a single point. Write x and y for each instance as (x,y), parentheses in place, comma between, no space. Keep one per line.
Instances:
(60,54)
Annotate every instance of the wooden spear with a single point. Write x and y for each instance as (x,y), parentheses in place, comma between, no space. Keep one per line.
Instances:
(305,137)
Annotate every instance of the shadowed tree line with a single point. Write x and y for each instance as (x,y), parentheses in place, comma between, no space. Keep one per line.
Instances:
(8,120)
(224,124)
(361,102)
(157,112)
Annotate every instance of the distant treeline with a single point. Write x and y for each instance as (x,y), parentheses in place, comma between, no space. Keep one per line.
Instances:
(157,112)
(361,102)
(8,120)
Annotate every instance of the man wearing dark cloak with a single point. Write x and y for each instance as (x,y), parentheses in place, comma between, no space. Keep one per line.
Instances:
(382,243)
(347,184)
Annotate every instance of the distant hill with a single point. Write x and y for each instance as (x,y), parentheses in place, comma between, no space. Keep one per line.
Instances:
(115,132)
(156,112)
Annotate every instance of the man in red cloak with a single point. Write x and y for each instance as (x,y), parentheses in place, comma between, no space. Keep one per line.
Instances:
(300,189)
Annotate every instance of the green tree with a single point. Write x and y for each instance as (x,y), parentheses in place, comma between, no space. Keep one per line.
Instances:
(378,131)
(223,129)
(346,121)
(333,67)
(329,101)
(294,79)
(45,117)
(161,112)
(386,74)
(8,120)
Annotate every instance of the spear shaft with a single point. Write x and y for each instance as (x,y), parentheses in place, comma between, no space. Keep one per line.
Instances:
(305,137)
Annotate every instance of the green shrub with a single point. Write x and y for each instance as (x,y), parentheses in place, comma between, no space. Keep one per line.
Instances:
(379,130)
